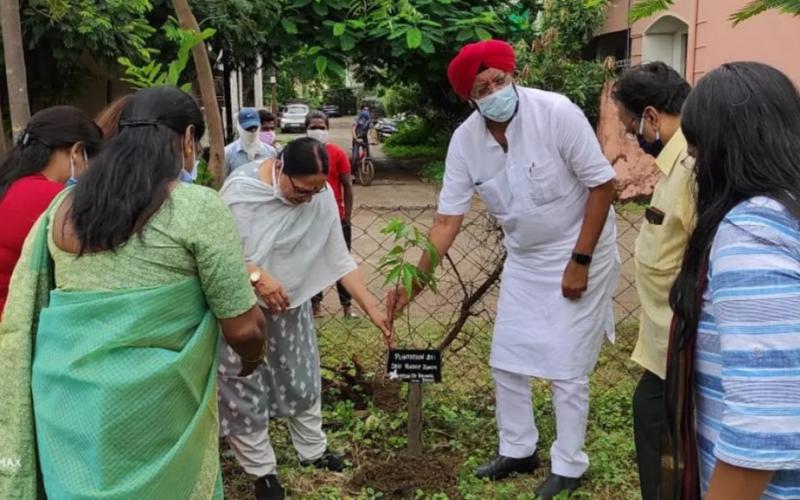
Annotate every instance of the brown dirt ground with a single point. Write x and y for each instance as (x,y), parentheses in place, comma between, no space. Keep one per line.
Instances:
(400,476)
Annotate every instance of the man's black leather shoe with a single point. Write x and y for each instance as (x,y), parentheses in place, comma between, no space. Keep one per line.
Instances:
(501,467)
(555,484)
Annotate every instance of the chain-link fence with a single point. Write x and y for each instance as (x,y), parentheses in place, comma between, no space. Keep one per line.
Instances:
(459,318)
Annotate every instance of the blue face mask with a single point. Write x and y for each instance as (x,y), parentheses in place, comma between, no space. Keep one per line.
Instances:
(190,177)
(500,106)
(72,179)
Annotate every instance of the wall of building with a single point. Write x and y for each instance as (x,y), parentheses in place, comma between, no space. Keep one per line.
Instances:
(616,16)
(771,37)
(712,39)
(95,93)
(98,87)
(694,36)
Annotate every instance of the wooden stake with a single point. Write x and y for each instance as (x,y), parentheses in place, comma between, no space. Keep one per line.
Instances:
(415,418)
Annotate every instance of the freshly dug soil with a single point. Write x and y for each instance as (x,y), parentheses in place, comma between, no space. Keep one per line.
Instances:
(386,394)
(400,476)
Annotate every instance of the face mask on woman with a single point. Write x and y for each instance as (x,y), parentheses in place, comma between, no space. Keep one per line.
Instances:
(319,134)
(500,106)
(267,137)
(190,177)
(277,186)
(72,179)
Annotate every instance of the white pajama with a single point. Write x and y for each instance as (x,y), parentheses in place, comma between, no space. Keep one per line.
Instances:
(516,424)
(254,451)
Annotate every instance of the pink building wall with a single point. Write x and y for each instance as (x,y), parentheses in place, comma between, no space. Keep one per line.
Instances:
(710,40)
(771,37)
(616,16)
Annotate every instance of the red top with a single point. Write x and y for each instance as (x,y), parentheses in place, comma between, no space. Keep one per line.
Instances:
(338,165)
(22,204)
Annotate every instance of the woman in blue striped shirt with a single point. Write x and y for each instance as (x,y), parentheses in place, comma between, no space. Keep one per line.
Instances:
(733,381)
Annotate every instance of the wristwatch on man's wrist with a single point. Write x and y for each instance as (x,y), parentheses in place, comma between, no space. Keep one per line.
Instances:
(255,277)
(581,258)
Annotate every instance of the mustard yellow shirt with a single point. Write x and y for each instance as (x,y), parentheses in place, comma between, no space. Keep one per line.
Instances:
(659,251)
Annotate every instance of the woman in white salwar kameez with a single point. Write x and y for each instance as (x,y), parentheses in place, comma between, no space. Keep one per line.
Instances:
(533,159)
(289,226)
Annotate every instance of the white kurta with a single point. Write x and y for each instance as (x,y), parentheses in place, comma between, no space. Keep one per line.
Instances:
(538,192)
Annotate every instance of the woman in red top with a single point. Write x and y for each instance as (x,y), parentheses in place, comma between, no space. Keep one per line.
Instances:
(340,180)
(52,151)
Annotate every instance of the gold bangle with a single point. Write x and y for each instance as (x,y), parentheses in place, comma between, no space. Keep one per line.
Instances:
(260,356)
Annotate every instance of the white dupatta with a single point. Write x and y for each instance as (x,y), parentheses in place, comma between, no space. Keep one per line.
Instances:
(302,246)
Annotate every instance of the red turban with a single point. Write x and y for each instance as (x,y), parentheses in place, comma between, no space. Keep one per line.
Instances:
(464,68)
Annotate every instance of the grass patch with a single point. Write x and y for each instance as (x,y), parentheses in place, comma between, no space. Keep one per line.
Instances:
(417,138)
(631,207)
(433,172)
(459,422)
(420,151)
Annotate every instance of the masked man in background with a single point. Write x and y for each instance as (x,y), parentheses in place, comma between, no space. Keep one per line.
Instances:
(248,147)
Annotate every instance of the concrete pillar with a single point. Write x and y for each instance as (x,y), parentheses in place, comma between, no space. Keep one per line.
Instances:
(258,83)
(235,93)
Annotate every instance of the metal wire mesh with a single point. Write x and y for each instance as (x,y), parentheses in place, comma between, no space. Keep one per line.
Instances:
(459,318)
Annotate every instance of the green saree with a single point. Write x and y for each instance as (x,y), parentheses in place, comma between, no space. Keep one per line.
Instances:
(108,394)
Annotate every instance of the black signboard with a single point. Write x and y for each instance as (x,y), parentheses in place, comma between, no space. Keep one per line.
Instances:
(415,365)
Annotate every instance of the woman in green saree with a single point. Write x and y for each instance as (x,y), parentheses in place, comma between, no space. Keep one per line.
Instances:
(108,344)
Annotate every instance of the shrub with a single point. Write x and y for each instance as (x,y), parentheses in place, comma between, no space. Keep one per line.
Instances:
(414,132)
(553,61)
(401,99)
(417,138)
(433,172)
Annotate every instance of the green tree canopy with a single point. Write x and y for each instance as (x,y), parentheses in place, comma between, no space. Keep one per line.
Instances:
(407,41)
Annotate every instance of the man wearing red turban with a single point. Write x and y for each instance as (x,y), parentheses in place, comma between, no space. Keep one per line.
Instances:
(534,160)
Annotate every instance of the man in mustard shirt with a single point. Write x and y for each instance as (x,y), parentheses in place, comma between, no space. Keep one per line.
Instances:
(649,99)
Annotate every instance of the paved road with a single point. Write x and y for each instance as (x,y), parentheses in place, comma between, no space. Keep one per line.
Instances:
(340,135)
(394,184)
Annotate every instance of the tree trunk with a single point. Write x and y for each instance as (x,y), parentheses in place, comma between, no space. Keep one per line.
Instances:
(205,78)
(415,418)
(15,65)
(3,139)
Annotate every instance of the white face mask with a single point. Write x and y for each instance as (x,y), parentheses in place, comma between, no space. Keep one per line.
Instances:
(250,142)
(318,134)
(277,186)
(500,106)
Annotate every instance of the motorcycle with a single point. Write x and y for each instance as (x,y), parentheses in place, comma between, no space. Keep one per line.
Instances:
(384,128)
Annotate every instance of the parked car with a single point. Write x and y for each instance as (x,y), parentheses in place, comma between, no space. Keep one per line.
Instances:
(332,110)
(294,118)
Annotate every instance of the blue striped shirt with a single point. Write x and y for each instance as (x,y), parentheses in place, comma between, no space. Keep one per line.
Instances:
(748,348)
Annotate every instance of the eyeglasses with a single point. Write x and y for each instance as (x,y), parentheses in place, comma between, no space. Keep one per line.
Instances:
(485,89)
(307,192)
(268,128)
